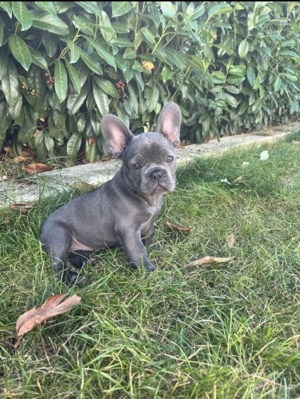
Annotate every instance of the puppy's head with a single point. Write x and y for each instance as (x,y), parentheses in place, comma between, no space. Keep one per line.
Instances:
(149,160)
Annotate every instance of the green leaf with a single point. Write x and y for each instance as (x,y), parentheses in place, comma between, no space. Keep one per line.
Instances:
(290,53)
(73,76)
(101,100)
(129,54)
(166,74)
(80,123)
(230,100)
(105,55)
(177,57)
(105,27)
(168,9)
(5,118)
(75,101)
(3,62)
(237,70)
(138,39)
(46,6)
(1,31)
(152,97)
(250,75)
(92,63)
(83,24)
(122,114)
(218,77)
(38,59)
(91,151)
(49,143)
(20,51)
(75,51)
(219,8)
(15,110)
(200,10)
(290,77)
(120,8)
(232,89)
(107,87)
(133,98)
(150,38)
(50,43)
(7,6)
(122,42)
(49,23)
(60,81)
(90,6)
(10,85)
(73,145)
(277,83)
(22,14)
(96,122)
(243,48)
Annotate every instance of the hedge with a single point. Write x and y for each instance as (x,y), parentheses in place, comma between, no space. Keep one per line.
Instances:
(231,66)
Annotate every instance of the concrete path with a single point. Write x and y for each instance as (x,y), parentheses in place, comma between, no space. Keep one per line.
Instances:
(31,189)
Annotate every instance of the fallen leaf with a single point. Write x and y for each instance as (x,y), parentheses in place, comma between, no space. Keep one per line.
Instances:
(210,259)
(34,168)
(22,207)
(9,152)
(230,240)
(176,227)
(51,308)
(3,178)
(225,181)
(238,179)
(264,155)
(105,159)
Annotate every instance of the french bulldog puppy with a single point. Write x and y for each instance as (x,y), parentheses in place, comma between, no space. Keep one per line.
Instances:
(121,211)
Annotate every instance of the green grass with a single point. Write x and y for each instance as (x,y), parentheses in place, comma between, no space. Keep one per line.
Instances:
(224,330)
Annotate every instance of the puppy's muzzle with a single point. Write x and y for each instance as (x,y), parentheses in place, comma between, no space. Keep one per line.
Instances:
(157,175)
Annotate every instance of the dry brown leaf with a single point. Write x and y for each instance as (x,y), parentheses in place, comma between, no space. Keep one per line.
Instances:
(91,140)
(210,259)
(230,240)
(177,227)
(22,207)
(51,308)
(238,179)
(34,168)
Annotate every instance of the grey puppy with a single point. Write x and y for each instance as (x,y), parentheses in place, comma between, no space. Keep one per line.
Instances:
(121,211)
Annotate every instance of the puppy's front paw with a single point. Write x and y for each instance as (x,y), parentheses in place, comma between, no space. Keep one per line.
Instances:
(150,267)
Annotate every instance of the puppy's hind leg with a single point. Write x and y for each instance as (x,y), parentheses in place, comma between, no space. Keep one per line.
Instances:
(56,242)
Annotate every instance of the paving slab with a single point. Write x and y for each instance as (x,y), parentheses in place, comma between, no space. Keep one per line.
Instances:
(33,188)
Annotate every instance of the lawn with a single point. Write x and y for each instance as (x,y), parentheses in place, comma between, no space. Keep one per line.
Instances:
(188,330)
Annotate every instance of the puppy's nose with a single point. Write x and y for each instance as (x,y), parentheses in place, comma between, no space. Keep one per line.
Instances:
(156,175)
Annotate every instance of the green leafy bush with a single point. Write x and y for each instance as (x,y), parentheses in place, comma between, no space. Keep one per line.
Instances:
(231,67)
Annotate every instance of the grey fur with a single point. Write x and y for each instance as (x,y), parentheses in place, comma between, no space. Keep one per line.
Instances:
(121,211)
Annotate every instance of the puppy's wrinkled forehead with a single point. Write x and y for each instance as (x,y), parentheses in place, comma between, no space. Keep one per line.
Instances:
(150,145)
(151,141)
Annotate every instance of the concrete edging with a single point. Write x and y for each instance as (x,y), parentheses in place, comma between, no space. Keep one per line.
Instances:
(46,184)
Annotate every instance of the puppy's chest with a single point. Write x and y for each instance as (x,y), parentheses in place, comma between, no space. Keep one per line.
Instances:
(146,218)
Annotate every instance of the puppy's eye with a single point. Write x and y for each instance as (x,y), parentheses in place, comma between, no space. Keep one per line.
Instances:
(170,158)
(135,166)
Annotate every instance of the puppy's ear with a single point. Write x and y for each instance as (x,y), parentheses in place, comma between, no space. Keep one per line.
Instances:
(116,133)
(169,122)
